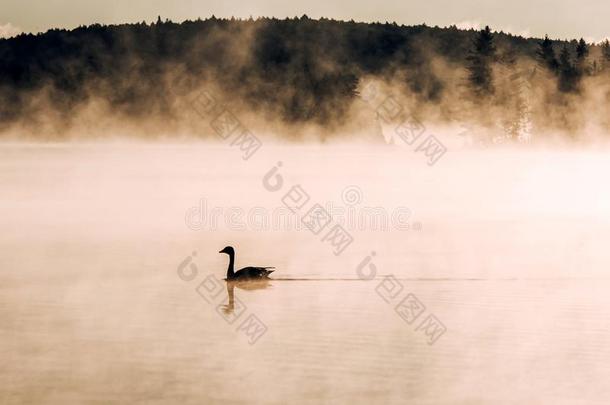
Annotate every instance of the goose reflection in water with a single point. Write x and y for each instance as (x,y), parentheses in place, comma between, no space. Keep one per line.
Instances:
(249,285)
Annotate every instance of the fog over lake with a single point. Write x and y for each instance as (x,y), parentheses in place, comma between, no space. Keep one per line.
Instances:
(499,252)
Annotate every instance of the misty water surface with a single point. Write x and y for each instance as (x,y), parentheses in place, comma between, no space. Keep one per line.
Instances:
(505,248)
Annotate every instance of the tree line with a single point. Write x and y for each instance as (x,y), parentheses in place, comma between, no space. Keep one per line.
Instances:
(295,69)
(569,66)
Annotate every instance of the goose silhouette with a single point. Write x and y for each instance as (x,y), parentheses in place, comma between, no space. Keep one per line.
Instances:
(247,273)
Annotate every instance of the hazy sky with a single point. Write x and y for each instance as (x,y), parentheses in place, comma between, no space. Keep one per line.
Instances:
(560,19)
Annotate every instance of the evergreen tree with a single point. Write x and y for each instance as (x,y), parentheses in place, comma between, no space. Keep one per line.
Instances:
(582,50)
(479,63)
(568,74)
(606,54)
(546,55)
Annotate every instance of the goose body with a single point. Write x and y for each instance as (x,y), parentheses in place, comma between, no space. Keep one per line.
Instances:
(247,273)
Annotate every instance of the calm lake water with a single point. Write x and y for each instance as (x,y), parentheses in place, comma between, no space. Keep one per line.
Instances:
(500,255)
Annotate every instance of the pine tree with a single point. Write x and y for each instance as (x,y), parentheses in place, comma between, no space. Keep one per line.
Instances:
(567,72)
(546,55)
(606,54)
(479,63)
(582,50)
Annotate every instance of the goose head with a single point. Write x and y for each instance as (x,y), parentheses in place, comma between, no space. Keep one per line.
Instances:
(228,250)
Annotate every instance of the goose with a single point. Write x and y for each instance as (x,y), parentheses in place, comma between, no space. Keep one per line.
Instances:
(247,273)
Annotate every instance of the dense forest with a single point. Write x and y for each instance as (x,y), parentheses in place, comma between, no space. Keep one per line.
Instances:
(294,71)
